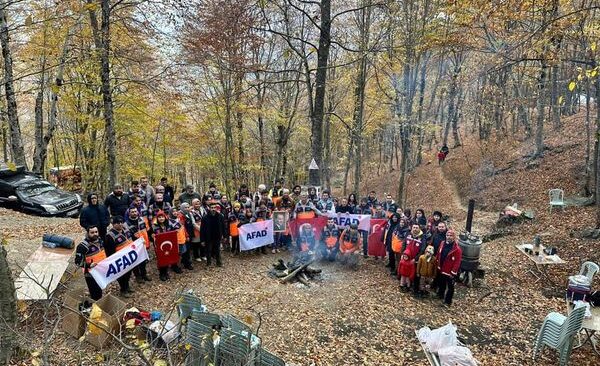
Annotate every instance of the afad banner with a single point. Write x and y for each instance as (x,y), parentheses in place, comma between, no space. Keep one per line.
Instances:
(167,249)
(345,219)
(341,219)
(256,235)
(118,264)
(376,244)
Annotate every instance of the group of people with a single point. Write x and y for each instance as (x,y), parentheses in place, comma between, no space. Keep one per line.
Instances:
(421,251)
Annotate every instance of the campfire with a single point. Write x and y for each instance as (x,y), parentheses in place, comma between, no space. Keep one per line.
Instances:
(298,270)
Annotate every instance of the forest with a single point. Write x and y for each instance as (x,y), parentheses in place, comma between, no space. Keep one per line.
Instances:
(227,93)
(255,90)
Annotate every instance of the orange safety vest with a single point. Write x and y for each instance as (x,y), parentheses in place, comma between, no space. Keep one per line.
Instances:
(181,239)
(95,258)
(233,229)
(306,215)
(396,243)
(347,245)
(123,245)
(143,234)
(331,242)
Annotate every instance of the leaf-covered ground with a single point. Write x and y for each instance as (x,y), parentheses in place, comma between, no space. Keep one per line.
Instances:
(361,317)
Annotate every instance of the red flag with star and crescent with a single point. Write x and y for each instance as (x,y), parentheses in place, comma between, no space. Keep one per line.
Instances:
(167,250)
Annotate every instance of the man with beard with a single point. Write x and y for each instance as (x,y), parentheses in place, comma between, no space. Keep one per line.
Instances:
(135,190)
(116,239)
(88,253)
(212,231)
(189,194)
(137,228)
(147,189)
(117,202)
(438,236)
(159,204)
(169,193)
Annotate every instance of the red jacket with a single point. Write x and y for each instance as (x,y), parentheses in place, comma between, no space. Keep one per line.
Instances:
(406,268)
(451,264)
(414,246)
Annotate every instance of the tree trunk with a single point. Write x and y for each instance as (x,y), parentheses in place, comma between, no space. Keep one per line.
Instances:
(554,99)
(102,42)
(541,107)
(16,140)
(597,153)
(320,81)
(8,309)
(41,147)
(359,92)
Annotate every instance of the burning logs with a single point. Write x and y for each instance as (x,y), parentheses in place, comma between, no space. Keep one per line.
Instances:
(299,270)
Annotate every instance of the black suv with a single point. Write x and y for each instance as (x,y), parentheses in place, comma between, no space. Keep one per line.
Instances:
(30,193)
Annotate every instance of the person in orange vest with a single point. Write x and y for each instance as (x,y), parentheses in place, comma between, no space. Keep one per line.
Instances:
(350,242)
(88,253)
(234,219)
(305,209)
(329,240)
(116,239)
(137,228)
(178,222)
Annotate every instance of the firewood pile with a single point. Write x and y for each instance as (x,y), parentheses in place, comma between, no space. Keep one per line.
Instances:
(297,271)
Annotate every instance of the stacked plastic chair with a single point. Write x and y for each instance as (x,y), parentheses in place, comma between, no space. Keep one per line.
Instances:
(233,323)
(187,303)
(200,338)
(238,349)
(210,320)
(269,359)
(558,331)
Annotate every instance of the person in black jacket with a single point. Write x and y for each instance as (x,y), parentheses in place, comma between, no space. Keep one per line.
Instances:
(169,191)
(212,230)
(95,214)
(117,202)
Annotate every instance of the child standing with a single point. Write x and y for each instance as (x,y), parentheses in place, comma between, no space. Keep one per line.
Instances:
(426,270)
(406,270)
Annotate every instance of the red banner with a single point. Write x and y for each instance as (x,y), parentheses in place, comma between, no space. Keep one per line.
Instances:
(376,244)
(317,223)
(167,249)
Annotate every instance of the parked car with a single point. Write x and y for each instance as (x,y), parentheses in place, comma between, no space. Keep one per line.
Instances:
(30,193)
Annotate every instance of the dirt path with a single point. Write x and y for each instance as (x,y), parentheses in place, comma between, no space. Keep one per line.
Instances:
(483,221)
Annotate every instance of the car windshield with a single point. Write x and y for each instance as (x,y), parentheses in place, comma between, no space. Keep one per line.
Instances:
(36,189)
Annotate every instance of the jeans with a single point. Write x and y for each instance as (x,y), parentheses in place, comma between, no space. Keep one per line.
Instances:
(444,282)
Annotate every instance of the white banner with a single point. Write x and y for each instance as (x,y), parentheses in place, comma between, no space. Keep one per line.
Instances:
(123,261)
(256,235)
(345,219)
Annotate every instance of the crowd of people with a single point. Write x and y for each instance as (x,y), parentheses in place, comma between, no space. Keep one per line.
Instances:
(422,252)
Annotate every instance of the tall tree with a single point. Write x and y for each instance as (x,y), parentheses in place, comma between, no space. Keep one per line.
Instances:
(16,140)
(101,34)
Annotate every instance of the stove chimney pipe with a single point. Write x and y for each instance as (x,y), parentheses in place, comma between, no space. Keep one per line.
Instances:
(470,212)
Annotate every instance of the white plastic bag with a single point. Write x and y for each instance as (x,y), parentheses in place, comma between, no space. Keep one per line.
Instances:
(442,337)
(423,334)
(456,356)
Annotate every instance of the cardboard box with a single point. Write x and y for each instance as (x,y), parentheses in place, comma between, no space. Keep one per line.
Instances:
(112,311)
(73,323)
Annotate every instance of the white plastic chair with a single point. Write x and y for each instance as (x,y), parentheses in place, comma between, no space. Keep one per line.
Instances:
(557,198)
(589,269)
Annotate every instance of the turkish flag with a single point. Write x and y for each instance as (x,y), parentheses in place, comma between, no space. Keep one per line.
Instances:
(376,244)
(317,223)
(167,249)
